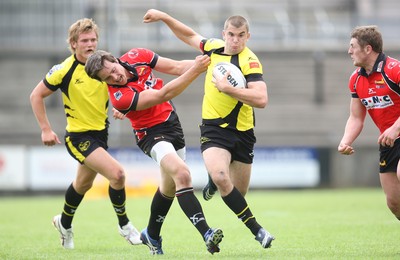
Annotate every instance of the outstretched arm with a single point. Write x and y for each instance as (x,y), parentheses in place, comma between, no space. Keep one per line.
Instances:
(182,31)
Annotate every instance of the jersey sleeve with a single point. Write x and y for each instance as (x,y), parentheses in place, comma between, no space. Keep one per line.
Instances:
(352,84)
(141,55)
(54,77)
(150,56)
(207,46)
(251,66)
(394,71)
(123,99)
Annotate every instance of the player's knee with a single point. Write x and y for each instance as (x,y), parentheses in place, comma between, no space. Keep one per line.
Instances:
(183,177)
(118,177)
(394,206)
(221,179)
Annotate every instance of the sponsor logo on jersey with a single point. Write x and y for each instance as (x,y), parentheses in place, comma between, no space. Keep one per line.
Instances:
(377,102)
(392,64)
(379,67)
(382,163)
(133,54)
(54,68)
(118,95)
(379,82)
(78,81)
(254,65)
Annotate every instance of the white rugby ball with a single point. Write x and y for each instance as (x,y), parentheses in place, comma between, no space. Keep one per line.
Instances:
(236,78)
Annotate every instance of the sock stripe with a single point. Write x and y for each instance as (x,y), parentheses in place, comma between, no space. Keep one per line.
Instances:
(240,213)
(183,191)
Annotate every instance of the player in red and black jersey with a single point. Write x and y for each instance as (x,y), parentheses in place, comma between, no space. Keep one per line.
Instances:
(144,99)
(375,89)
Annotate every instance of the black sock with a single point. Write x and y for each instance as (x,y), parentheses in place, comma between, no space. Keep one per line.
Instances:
(118,199)
(237,203)
(160,206)
(192,208)
(72,201)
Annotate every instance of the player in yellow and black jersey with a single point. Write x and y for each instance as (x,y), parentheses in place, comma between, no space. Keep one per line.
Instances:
(227,135)
(86,105)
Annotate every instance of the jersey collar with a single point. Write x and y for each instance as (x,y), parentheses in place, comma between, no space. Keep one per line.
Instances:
(378,66)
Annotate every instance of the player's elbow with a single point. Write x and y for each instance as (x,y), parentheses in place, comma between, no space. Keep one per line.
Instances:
(34,96)
(261,102)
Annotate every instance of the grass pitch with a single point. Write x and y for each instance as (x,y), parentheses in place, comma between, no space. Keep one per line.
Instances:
(307,224)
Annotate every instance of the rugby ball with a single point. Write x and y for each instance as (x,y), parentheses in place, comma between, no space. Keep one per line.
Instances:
(236,78)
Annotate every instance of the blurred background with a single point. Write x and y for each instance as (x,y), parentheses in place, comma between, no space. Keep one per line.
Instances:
(302,45)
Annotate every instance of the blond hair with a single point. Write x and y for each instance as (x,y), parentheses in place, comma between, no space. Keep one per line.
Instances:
(84,25)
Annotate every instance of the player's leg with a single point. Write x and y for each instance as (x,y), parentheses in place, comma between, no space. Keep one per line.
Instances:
(231,195)
(102,162)
(73,197)
(391,186)
(175,177)
(160,205)
(217,162)
(240,174)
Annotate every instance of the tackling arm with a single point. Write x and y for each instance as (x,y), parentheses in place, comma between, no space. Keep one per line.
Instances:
(151,97)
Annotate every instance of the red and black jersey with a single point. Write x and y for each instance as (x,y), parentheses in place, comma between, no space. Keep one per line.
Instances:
(125,98)
(379,91)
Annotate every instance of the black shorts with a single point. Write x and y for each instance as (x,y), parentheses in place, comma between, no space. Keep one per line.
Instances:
(80,145)
(170,131)
(389,157)
(239,143)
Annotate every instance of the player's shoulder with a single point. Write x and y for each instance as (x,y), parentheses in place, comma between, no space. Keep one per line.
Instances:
(392,64)
(355,73)
(249,62)
(213,43)
(61,69)
(136,54)
(248,55)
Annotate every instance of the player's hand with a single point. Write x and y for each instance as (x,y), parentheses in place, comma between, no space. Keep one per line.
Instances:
(201,63)
(388,137)
(49,138)
(117,114)
(153,15)
(221,82)
(345,149)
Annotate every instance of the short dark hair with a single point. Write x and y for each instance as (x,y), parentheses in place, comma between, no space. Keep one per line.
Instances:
(237,21)
(95,63)
(368,35)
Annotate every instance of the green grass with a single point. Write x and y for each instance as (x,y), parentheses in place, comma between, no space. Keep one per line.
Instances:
(307,224)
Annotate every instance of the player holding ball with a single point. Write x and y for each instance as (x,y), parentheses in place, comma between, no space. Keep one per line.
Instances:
(227,129)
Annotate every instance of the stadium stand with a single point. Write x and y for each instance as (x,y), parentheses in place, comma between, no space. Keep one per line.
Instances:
(302,44)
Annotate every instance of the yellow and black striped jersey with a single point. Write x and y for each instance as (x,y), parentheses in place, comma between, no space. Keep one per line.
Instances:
(220,108)
(85,99)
